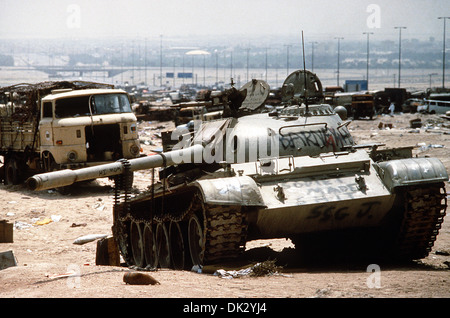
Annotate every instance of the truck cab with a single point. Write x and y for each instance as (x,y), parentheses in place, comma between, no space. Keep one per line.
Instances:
(80,128)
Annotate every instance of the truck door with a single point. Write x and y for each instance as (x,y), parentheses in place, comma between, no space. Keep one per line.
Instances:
(46,126)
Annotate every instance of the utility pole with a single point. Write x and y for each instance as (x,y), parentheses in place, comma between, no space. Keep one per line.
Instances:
(430,75)
(443,53)
(339,52)
(399,53)
(312,56)
(145,60)
(266,63)
(217,67)
(160,61)
(367,71)
(248,50)
(287,58)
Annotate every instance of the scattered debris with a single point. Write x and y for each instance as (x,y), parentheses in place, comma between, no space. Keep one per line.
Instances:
(77,225)
(56,218)
(99,206)
(19,225)
(6,232)
(233,274)
(68,274)
(446,116)
(423,146)
(7,259)
(88,238)
(266,268)
(385,126)
(137,278)
(44,221)
(107,252)
(197,269)
(415,123)
(324,292)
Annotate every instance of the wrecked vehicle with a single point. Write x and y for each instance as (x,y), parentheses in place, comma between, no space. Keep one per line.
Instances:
(57,125)
(358,104)
(294,173)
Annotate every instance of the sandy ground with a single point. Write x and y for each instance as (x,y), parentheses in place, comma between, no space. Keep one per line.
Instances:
(46,254)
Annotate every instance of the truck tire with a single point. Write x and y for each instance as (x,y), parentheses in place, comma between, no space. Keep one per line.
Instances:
(12,172)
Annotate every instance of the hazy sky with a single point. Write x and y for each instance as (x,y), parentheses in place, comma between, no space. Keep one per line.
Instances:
(320,19)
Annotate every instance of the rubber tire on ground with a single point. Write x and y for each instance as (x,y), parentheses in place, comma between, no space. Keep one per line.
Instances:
(12,173)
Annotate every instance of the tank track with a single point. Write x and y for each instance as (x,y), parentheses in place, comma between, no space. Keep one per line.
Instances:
(424,211)
(226,231)
(224,228)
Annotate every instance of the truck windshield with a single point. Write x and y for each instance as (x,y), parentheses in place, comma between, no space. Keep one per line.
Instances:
(100,104)
(110,104)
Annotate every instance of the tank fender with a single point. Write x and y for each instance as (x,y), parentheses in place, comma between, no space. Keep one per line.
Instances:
(231,191)
(411,171)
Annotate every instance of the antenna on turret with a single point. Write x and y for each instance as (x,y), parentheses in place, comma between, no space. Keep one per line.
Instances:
(304,74)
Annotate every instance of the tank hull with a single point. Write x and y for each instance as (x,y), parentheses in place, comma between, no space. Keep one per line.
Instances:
(295,197)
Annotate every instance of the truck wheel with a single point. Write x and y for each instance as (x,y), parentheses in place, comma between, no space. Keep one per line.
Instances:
(2,172)
(12,173)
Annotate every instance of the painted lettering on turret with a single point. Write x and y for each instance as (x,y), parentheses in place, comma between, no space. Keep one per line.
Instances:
(313,138)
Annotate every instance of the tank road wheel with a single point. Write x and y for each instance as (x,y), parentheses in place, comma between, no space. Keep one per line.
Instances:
(196,240)
(148,239)
(137,246)
(162,245)
(177,246)
(121,233)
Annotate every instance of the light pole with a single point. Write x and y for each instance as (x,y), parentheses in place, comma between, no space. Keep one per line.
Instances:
(204,70)
(312,56)
(367,71)
(266,63)
(231,64)
(248,50)
(339,53)
(145,60)
(399,53)
(160,61)
(193,53)
(430,75)
(287,58)
(217,67)
(443,53)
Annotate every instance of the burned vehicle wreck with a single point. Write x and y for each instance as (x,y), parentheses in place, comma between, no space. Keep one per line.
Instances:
(292,173)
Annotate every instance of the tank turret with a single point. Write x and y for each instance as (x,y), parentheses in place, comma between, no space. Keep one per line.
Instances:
(292,172)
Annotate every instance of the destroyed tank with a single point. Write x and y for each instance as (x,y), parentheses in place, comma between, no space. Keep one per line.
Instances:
(290,172)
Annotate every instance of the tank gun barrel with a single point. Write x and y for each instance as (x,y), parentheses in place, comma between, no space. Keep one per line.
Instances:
(67,177)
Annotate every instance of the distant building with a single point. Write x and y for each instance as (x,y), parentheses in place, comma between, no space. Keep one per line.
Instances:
(355,85)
